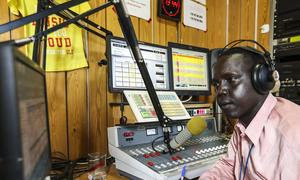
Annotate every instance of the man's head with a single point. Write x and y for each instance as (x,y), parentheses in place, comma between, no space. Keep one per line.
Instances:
(234,89)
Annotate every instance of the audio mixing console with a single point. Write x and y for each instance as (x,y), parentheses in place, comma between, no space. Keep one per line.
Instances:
(131,146)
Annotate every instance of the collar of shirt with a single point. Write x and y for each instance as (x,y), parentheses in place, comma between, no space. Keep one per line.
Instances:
(255,128)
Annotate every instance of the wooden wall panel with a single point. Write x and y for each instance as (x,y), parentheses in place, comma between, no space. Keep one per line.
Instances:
(4,18)
(77,113)
(216,23)
(145,30)
(264,18)
(159,27)
(56,94)
(234,20)
(248,20)
(171,31)
(97,87)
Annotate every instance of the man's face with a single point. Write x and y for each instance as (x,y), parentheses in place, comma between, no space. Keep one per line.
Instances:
(235,93)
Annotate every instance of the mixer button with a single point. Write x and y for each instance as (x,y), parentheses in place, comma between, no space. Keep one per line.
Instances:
(157,153)
(185,160)
(195,157)
(175,162)
(157,167)
(150,163)
(146,155)
(198,152)
(145,150)
(152,154)
(163,165)
(178,157)
(174,158)
(191,159)
(169,164)
(140,152)
(150,149)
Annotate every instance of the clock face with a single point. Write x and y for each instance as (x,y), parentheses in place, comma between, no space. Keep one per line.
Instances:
(170,9)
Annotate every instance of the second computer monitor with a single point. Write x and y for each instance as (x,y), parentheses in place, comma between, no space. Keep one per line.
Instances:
(190,67)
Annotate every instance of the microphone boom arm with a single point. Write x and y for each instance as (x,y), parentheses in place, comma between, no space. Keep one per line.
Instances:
(129,33)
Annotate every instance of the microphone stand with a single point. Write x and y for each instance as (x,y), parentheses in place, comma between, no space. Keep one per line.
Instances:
(129,34)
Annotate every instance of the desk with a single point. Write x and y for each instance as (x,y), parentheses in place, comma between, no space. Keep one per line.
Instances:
(111,175)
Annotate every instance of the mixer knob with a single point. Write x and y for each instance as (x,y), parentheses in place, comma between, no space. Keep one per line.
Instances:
(195,157)
(197,152)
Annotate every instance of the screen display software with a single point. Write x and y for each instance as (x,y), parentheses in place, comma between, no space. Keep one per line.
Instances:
(190,70)
(124,73)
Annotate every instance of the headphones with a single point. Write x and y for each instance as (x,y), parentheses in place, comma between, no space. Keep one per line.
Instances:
(263,76)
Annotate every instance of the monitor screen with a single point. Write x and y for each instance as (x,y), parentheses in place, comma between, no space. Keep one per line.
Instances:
(124,73)
(24,121)
(190,67)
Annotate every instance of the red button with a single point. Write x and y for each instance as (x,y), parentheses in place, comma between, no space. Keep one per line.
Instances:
(152,154)
(178,157)
(174,158)
(157,153)
(146,156)
(150,163)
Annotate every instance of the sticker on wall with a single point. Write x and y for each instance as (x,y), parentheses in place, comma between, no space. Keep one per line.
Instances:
(194,14)
(139,8)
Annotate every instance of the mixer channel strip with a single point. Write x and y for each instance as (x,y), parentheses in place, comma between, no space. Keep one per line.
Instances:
(198,150)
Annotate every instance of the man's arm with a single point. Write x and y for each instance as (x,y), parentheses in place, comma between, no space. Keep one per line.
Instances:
(224,168)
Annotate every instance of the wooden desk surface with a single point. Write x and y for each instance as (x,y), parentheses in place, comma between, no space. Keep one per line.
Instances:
(111,175)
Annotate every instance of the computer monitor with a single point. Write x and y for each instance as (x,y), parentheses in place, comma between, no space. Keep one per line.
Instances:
(123,71)
(24,132)
(190,67)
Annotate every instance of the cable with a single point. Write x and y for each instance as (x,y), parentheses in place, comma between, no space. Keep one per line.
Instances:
(187,100)
(152,144)
(241,167)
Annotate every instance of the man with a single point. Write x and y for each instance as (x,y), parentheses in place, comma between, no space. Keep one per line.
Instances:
(266,140)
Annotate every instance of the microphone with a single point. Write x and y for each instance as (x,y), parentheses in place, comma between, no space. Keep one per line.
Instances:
(194,127)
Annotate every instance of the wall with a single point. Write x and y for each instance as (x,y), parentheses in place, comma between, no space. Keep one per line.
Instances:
(79,101)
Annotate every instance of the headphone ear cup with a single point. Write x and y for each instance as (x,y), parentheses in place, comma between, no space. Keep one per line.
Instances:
(262,79)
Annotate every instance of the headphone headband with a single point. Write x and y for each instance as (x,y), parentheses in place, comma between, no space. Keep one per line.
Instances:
(267,55)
